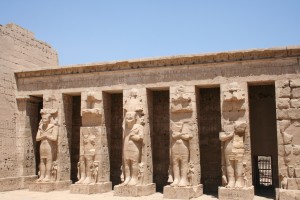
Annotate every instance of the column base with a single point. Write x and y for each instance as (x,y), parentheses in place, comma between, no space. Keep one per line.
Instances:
(134,190)
(91,189)
(183,192)
(50,186)
(236,193)
(283,194)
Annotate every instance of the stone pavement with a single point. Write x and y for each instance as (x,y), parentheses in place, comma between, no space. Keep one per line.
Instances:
(64,195)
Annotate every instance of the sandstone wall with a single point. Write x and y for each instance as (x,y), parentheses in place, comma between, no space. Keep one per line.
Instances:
(19,50)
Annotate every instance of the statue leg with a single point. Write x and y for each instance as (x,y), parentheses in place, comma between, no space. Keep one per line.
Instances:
(230,173)
(176,171)
(81,169)
(42,168)
(183,171)
(239,174)
(48,169)
(134,173)
(127,163)
(88,166)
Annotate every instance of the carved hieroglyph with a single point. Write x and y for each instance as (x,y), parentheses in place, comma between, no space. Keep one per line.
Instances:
(288,121)
(133,134)
(47,135)
(233,137)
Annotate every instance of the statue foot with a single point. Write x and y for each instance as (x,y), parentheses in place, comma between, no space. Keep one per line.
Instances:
(230,184)
(133,181)
(175,183)
(182,183)
(46,179)
(239,183)
(126,181)
(80,180)
(40,179)
(87,180)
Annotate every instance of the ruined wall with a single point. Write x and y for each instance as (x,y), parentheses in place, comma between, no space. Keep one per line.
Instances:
(19,50)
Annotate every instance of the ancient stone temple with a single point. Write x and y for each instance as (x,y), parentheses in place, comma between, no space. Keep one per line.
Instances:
(223,123)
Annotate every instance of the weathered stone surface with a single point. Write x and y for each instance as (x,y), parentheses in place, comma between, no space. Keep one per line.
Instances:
(283,103)
(294,113)
(183,192)
(134,190)
(295,103)
(295,83)
(49,186)
(236,193)
(296,93)
(91,189)
(284,92)
(282,83)
(282,114)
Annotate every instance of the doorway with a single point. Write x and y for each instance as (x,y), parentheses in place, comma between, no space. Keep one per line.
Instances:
(209,120)
(263,131)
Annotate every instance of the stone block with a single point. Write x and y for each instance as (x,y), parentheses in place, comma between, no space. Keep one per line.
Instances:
(50,186)
(134,190)
(295,103)
(282,114)
(283,103)
(296,93)
(286,194)
(295,83)
(284,92)
(91,189)
(236,193)
(282,83)
(7,184)
(294,113)
(283,124)
(292,184)
(182,192)
(297,172)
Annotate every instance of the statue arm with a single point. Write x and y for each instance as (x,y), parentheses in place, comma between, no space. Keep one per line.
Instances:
(38,136)
(223,136)
(53,137)
(139,135)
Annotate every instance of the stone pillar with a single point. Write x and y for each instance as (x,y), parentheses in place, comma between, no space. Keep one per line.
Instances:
(235,141)
(27,119)
(53,134)
(184,169)
(288,136)
(93,165)
(137,166)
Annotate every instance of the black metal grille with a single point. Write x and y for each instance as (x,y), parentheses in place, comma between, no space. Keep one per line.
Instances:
(264,170)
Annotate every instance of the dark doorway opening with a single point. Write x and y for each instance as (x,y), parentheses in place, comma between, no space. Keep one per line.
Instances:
(113,114)
(75,136)
(263,139)
(158,102)
(209,120)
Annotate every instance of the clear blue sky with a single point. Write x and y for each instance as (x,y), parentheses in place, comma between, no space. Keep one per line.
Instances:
(95,31)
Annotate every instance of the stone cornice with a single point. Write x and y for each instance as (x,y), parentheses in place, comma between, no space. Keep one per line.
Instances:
(221,57)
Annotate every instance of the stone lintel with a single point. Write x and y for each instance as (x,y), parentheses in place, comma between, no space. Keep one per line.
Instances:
(91,188)
(236,193)
(134,190)
(183,192)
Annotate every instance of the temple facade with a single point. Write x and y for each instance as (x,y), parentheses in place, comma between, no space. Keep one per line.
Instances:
(225,123)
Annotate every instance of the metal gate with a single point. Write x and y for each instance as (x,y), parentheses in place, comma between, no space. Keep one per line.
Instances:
(263,170)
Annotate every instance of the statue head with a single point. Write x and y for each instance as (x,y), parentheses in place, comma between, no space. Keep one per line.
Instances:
(130,117)
(46,118)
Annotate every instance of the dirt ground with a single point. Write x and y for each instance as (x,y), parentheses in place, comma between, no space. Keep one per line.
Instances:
(65,195)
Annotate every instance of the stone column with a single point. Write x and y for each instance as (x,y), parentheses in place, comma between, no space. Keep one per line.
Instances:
(27,121)
(235,141)
(184,169)
(93,165)
(54,144)
(137,166)
(288,136)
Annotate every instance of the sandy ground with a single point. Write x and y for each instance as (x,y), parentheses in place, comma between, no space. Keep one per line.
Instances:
(65,195)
